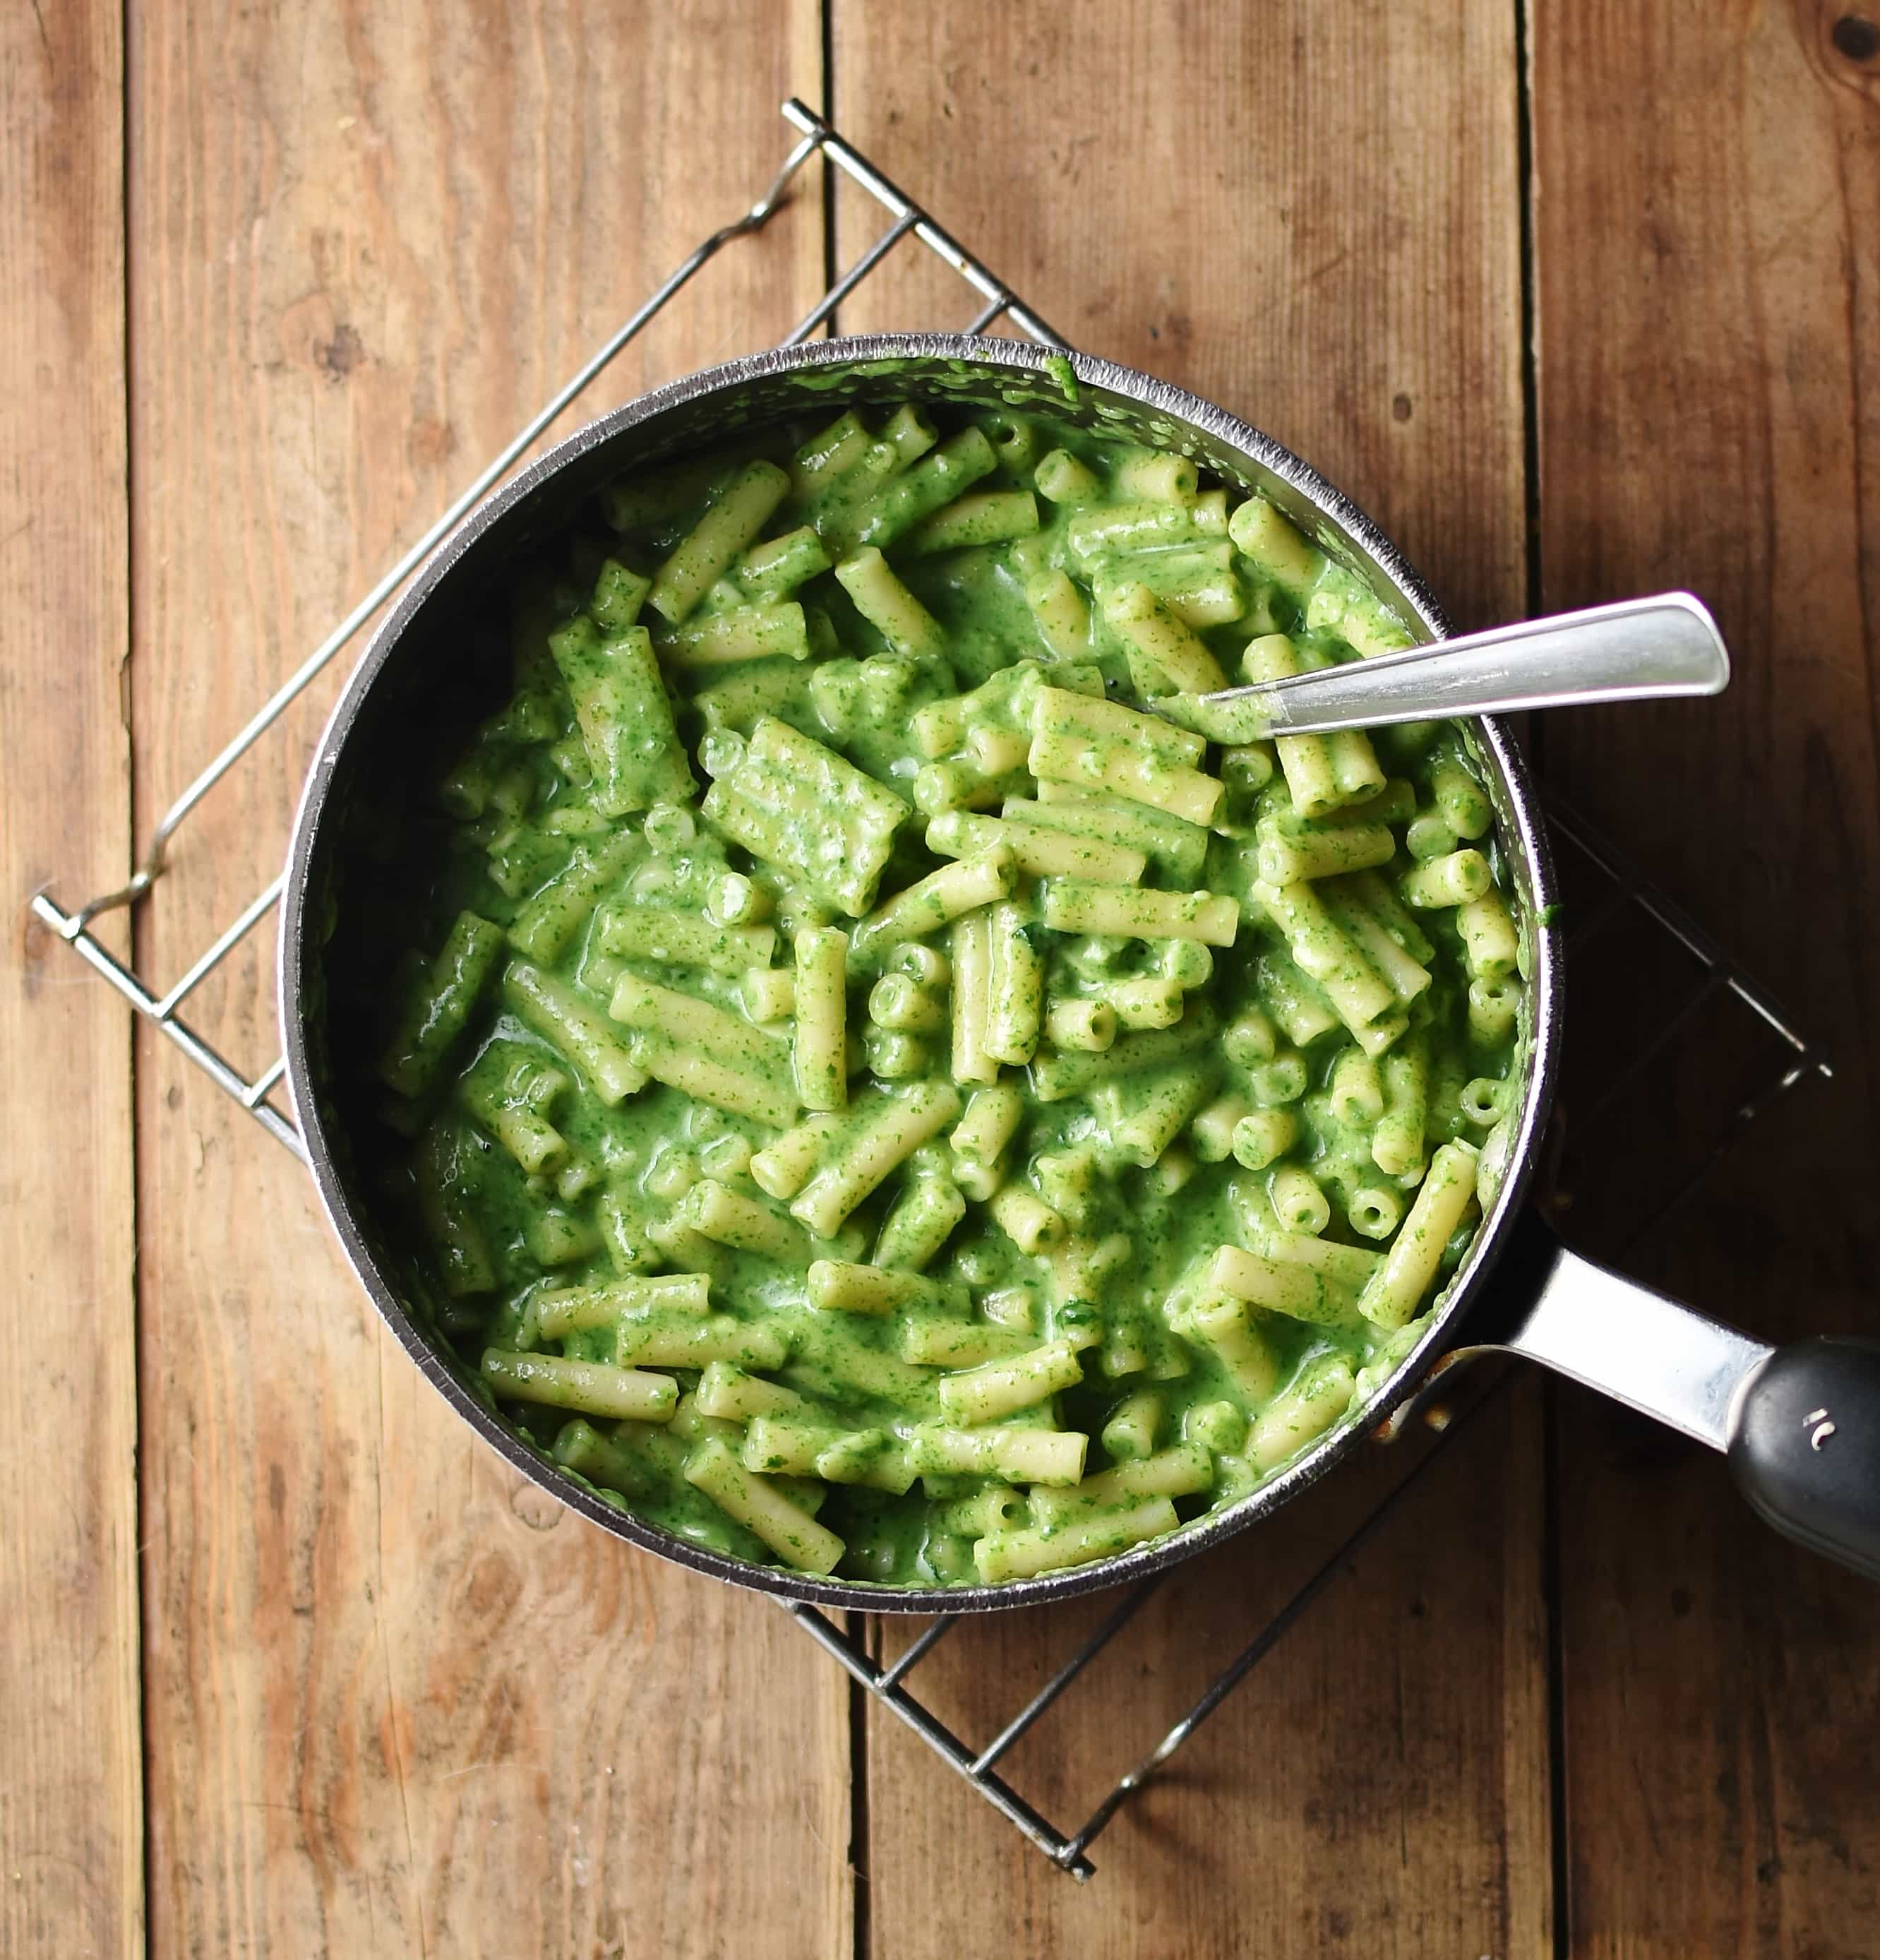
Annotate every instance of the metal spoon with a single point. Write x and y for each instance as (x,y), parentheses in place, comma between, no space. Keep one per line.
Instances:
(1640,649)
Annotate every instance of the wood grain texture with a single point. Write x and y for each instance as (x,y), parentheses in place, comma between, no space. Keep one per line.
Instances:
(399,1701)
(1311,215)
(1709,398)
(70,1812)
(396,1703)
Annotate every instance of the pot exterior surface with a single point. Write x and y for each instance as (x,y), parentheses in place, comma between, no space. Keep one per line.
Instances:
(416,660)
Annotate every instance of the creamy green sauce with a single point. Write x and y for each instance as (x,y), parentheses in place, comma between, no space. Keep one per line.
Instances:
(519,834)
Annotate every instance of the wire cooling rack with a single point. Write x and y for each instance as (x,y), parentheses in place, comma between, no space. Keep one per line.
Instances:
(1604,898)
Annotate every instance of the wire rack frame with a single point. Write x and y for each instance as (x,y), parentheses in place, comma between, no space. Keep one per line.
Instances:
(162,1005)
(257,1092)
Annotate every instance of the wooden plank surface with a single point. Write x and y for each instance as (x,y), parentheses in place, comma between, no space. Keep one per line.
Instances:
(395,1702)
(70,1813)
(1709,396)
(1207,193)
(399,1701)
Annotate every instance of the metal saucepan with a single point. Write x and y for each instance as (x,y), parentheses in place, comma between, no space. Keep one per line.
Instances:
(1801,1425)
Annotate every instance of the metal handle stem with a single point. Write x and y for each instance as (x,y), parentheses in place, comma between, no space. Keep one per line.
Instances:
(1642,1348)
(1640,648)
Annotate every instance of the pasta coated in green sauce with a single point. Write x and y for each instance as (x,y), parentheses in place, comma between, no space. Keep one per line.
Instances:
(869,1097)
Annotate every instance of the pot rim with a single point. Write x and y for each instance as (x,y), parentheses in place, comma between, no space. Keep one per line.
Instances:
(1522,831)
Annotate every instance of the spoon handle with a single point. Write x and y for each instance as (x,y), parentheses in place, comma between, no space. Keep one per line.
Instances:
(1640,648)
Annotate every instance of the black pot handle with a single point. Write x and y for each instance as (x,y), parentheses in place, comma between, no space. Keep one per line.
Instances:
(1805,1447)
(1800,1424)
